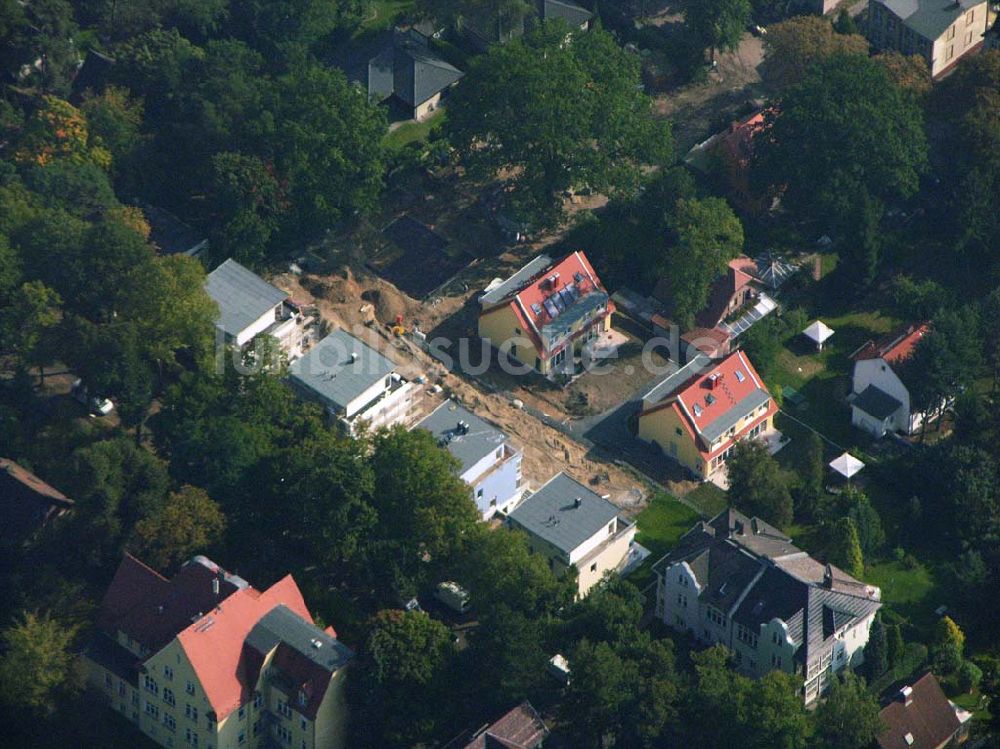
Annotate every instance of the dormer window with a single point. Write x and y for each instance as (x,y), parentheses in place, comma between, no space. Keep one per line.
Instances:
(302,698)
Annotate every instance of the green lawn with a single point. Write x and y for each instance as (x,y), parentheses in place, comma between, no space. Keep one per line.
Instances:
(660,525)
(708,498)
(384,13)
(410,132)
(912,593)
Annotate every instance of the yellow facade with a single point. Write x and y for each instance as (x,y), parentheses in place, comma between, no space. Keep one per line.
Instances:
(170,706)
(663,428)
(500,325)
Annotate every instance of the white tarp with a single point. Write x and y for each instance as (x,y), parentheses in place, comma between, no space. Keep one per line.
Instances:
(846,465)
(818,333)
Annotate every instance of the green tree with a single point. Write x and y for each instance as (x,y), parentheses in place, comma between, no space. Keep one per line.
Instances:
(947,632)
(324,138)
(27,324)
(510,115)
(756,484)
(10,270)
(709,235)
(910,72)
(877,650)
(844,549)
(249,203)
(115,117)
(811,492)
(188,523)
(849,716)
(895,645)
(36,664)
(284,28)
(400,678)
(871,536)
(793,46)
(52,40)
(836,109)
(969,676)
(504,15)
(718,24)
(845,23)
(774,716)
(82,189)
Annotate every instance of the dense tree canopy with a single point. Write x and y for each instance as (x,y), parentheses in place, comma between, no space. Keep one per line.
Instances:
(756,484)
(719,24)
(793,46)
(511,115)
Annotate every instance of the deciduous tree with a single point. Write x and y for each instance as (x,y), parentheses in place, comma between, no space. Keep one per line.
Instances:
(849,716)
(188,523)
(719,24)
(36,662)
(756,484)
(793,46)
(510,115)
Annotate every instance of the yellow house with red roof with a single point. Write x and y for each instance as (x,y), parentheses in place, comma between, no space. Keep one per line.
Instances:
(544,314)
(204,660)
(697,414)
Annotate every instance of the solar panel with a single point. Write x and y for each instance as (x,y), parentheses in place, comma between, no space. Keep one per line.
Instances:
(740,377)
(697,410)
(573,292)
(536,308)
(566,297)
(558,301)
(551,308)
(709,400)
(578,276)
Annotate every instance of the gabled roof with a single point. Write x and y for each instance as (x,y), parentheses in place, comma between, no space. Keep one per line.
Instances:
(930,18)
(746,563)
(568,11)
(405,66)
(521,728)
(876,402)
(740,273)
(927,722)
(152,610)
(896,348)
(243,296)
(469,443)
(554,299)
(504,290)
(26,502)
(554,515)
(710,399)
(340,368)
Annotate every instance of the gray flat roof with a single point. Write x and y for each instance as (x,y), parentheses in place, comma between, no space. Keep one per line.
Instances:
(469,447)
(552,515)
(516,282)
(671,382)
(930,18)
(243,296)
(570,12)
(730,418)
(329,370)
(281,624)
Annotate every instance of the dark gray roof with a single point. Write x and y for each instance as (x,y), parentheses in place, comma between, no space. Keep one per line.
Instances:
(243,296)
(516,282)
(469,446)
(673,381)
(735,414)
(876,402)
(329,370)
(570,12)
(282,625)
(562,326)
(552,515)
(744,561)
(930,18)
(400,63)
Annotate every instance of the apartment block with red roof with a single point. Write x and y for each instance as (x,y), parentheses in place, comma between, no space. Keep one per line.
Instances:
(204,660)
(880,396)
(697,414)
(546,313)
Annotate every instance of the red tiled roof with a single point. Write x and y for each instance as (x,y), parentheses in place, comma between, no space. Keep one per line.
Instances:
(153,610)
(521,728)
(710,341)
(214,643)
(728,394)
(895,349)
(739,274)
(929,720)
(573,270)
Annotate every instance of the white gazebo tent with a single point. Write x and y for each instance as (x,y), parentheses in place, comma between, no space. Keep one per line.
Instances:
(818,332)
(846,465)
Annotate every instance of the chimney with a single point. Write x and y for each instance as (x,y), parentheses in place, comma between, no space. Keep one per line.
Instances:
(906,695)
(353,357)
(828,577)
(578,501)
(753,526)
(215,587)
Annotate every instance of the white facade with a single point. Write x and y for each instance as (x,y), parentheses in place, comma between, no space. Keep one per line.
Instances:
(388,402)
(257,327)
(879,373)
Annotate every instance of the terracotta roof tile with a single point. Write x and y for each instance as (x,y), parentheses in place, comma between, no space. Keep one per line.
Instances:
(521,728)
(928,720)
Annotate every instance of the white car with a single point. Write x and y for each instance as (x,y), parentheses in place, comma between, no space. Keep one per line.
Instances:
(95,404)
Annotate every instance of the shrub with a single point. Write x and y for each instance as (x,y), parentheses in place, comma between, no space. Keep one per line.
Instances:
(969,676)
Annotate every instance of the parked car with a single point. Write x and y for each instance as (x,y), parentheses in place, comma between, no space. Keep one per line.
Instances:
(454,596)
(97,405)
